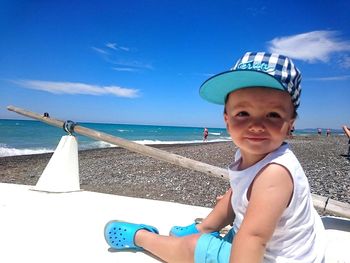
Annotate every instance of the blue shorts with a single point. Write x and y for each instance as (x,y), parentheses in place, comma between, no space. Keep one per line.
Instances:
(210,249)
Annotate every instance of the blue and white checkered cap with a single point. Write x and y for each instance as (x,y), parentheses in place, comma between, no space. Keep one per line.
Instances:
(255,69)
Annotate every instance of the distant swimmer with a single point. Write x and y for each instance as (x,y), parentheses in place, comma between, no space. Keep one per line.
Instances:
(347,133)
(205,134)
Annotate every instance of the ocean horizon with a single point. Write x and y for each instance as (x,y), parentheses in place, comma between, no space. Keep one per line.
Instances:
(23,137)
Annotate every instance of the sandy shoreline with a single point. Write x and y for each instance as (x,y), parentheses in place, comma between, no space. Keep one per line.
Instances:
(119,171)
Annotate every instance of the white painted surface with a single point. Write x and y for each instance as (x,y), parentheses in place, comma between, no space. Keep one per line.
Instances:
(338,239)
(338,247)
(68,227)
(62,172)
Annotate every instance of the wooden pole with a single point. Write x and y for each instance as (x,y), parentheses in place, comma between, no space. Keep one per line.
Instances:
(132,146)
(320,202)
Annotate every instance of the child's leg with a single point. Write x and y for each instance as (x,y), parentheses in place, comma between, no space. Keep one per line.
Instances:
(200,247)
(174,249)
(221,215)
(169,249)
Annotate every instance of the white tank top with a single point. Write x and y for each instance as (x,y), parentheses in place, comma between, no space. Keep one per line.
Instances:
(299,235)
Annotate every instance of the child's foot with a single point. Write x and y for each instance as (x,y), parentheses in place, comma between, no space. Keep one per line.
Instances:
(120,235)
(180,231)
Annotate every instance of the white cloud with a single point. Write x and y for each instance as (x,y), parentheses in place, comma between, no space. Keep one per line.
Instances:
(311,46)
(123,61)
(124,48)
(114,46)
(77,88)
(136,64)
(125,69)
(99,50)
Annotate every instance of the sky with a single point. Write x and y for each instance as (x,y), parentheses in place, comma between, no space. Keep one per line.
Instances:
(143,61)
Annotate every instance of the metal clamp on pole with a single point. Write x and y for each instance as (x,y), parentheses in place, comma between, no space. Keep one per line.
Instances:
(68,126)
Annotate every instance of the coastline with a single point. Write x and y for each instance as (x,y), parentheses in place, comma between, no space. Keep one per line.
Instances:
(121,172)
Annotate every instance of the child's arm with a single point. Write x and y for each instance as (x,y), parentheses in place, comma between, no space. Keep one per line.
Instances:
(221,216)
(270,194)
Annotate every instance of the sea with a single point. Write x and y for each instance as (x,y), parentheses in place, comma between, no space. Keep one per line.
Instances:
(23,137)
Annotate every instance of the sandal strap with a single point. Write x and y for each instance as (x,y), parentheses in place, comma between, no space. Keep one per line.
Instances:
(180,231)
(149,228)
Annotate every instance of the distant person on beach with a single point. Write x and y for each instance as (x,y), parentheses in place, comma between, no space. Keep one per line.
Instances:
(205,134)
(319,131)
(328,132)
(347,133)
(269,202)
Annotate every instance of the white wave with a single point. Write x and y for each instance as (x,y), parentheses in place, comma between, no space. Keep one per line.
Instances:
(120,130)
(4,151)
(215,133)
(150,142)
(95,144)
(7,151)
(102,144)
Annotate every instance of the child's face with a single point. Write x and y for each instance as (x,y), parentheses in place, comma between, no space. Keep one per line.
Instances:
(258,119)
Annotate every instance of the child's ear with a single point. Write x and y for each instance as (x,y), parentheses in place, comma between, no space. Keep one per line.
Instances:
(290,126)
(225,117)
(226,120)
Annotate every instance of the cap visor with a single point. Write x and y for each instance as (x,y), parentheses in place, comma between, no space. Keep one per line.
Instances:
(219,86)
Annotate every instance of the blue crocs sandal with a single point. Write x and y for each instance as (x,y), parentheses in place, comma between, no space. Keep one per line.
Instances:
(120,235)
(180,231)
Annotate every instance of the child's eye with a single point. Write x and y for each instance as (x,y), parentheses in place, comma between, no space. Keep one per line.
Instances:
(273,115)
(242,114)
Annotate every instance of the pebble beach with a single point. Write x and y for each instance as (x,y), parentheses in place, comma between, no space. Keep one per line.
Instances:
(121,172)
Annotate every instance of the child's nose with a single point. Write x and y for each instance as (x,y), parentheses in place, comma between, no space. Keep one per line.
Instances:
(257,125)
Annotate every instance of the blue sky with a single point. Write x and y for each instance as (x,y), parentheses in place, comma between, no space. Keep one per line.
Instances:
(142,61)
